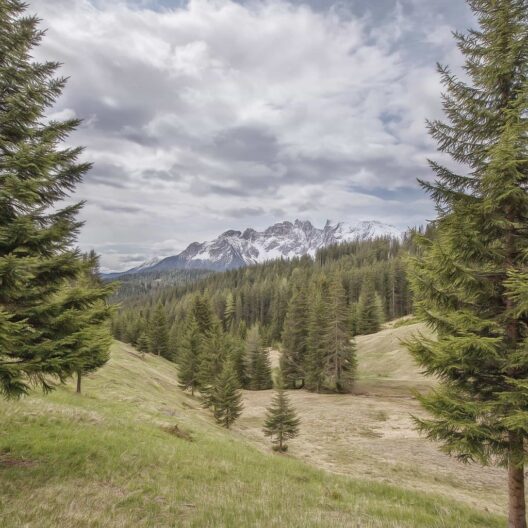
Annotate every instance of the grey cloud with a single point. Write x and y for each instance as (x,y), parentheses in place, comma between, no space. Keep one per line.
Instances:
(203,112)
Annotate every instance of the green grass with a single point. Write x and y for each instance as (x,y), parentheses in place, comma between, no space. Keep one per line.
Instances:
(105,459)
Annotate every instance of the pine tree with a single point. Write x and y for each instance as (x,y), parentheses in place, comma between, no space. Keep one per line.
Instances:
(189,365)
(143,343)
(339,350)
(294,339)
(229,313)
(226,398)
(203,313)
(237,356)
(88,325)
(38,263)
(159,333)
(369,310)
(258,362)
(173,342)
(316,341)
(213,352)
(470,282)
(281,422)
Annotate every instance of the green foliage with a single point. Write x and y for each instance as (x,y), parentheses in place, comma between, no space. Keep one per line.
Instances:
(470,279)
(213,353)
(159,334)
(294,339)
(369,315)
(51,316)
(189,360)
(258,362)
(281,422)
(338,349)
(225,397)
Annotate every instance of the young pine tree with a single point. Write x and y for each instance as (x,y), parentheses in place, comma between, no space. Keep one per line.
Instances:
(159,333)
(143,344)
(470,282)
(229,313)
(225,397)
(369,311)
(281,422)
(339,349)
(189,364)
(90,323)
(213,352)
(37,259)
(258,362)
(316,341)
(294,340)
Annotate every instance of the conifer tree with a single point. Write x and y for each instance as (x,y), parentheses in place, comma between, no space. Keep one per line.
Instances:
(213,352)
(294,339)
(369,311)
(470,282)
(203,313)
(237,355)
(258,362)
(229,313)
(316,340)
(143,344)
(159,333)
(281,422)
(189,365)
(339,350)
(88,325)
(173,342)
(225,397)
(38,263)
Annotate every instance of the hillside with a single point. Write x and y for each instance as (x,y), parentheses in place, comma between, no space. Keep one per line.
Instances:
(371,434)
(108,459)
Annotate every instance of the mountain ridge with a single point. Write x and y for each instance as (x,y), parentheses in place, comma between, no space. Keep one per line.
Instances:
(234,249)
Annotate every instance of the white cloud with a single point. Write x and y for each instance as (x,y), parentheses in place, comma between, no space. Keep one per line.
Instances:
(195,113)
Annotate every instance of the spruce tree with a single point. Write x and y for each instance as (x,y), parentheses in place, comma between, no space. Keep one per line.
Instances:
(316,340)
(225,397)
(143,344)
(281,422)
(229,313)
(159,333)
(470,281)
(189,364)
(294,339)
(369,310)
(38,263)
(213,352)
(88,324)
(237,356)
(258,362)
(339,349)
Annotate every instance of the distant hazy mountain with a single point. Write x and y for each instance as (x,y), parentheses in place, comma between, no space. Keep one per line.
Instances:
(235,249)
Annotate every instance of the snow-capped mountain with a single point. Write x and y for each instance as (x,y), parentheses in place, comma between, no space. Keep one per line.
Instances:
(235,249)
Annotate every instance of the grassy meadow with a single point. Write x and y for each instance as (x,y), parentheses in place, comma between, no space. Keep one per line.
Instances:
(134,450)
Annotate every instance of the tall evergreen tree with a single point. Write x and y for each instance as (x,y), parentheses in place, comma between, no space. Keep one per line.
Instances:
(339,350)
(159,333)
(89,325)
(203,313)
(225,397)
(189,364)
(229,313)
(369,310)
(258,362)
(282,423)
(471,280)
(213,353)
(37,258)
(316,340)
(294,339)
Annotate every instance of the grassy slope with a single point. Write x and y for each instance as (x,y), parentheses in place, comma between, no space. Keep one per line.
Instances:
(104,460)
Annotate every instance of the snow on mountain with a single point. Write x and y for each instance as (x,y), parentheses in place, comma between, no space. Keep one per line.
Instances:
(235,249)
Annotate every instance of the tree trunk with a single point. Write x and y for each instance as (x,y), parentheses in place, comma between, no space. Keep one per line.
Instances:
(517,505)
(78,382)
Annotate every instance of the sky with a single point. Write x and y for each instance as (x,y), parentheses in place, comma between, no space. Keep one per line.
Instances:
(207,115)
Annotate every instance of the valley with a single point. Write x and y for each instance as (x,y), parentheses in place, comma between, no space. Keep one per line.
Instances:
(117,446)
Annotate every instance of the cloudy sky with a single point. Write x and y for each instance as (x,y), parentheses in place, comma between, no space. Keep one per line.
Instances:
(206,115)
